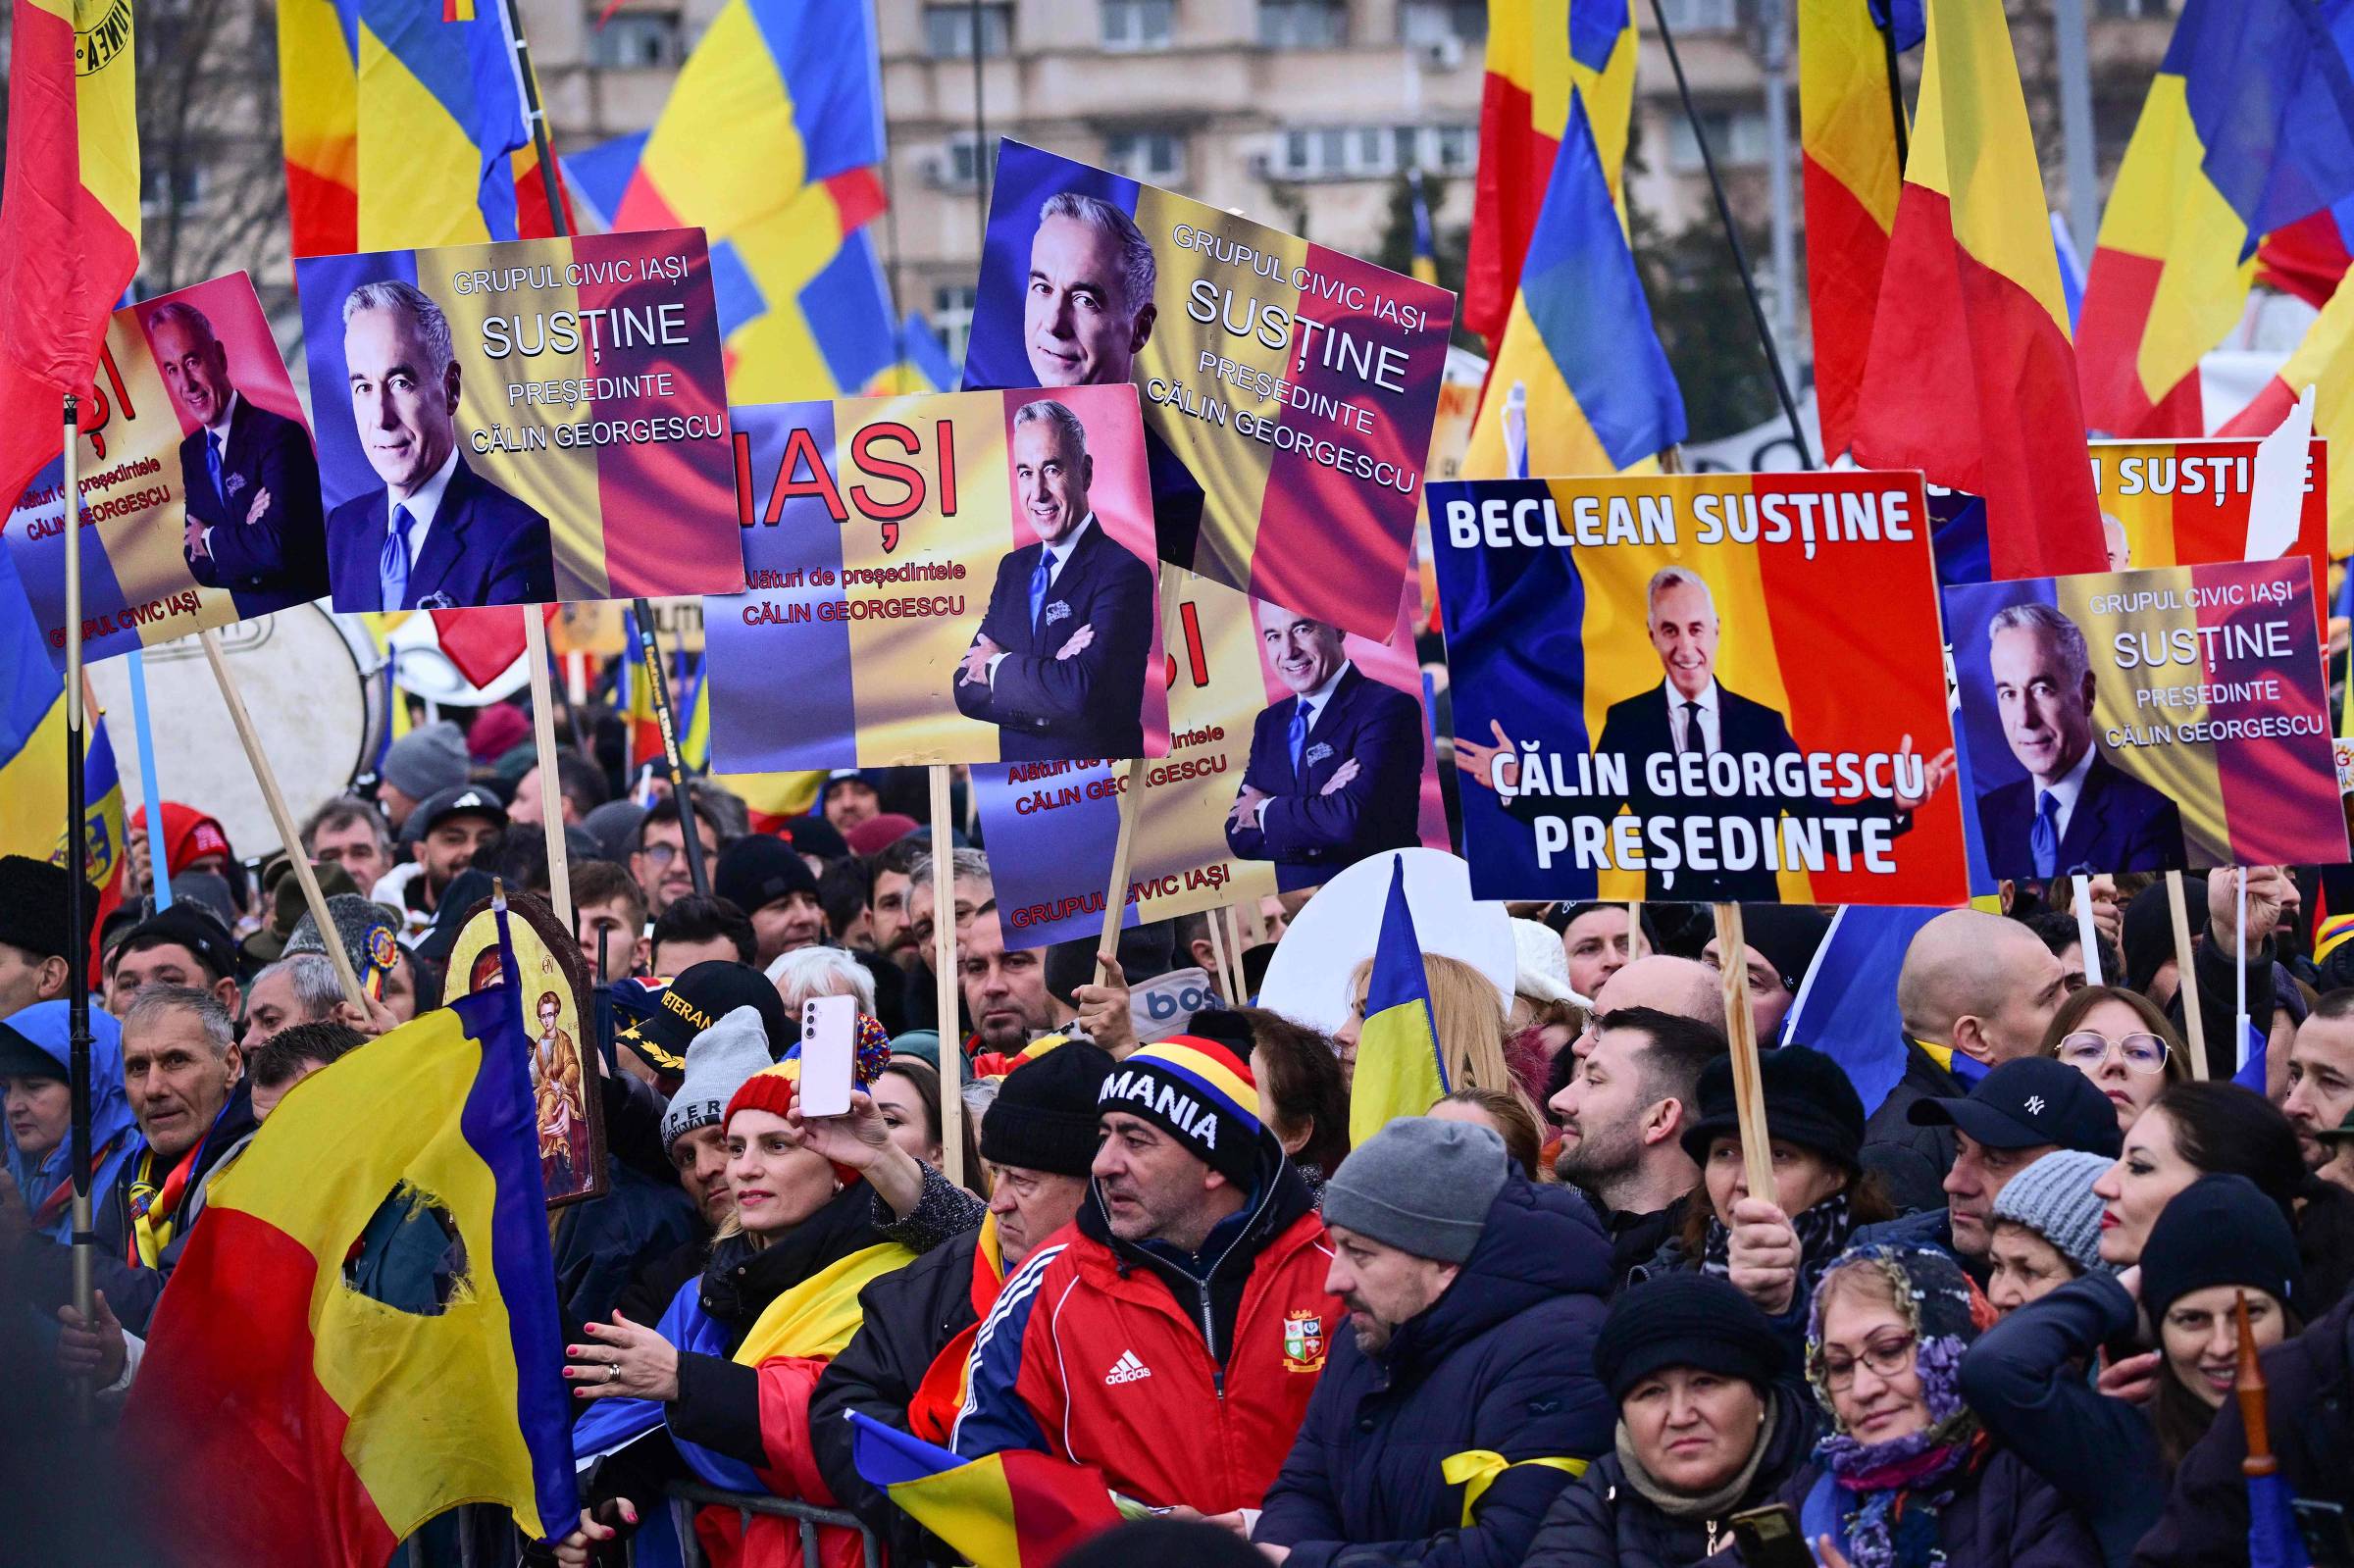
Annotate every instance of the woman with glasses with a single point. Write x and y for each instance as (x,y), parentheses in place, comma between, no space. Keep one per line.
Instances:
(1908,1475)
(2122,1043)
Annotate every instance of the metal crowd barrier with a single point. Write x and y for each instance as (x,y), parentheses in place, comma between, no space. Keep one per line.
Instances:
(746,1504)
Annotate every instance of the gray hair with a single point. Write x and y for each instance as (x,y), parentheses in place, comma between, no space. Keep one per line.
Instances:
(390,293)
(341,812)
(1138,270)
(1668,576)
(964,865)
(156,1002)
(179,313)
(317,989)
(2065,636)
(808,972)
(1067,428)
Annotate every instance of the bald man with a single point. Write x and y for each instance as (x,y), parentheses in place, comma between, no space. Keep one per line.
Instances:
(1680,987)
(1975,991)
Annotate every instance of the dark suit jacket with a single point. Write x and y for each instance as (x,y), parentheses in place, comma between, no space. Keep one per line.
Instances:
(1091,704)
(1312,835)
(2119,824)
(484,547)
(1635,729)
(280,554)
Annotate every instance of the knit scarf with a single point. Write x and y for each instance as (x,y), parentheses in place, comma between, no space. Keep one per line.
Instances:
(1900,1488)
(1709,1504)
(1822,1233)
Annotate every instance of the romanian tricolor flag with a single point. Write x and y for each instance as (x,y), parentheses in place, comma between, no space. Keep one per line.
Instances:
(69,217)
(2332,911)
(695,732)
(1847,133)
(1018,1508)
(32,759)
(645,727)
(1970,377)
(1540,52)
(804,310)
(1600,396)
(2324,361)
(1426,245)
(363,1333)
(404,127)
(773,798)
(923,364)
(1398,1068)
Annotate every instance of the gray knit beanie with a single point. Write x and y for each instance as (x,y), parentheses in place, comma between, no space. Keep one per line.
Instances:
(357,921)
(428,760)
(718,1061)
(2053,1197)
(1422,1185)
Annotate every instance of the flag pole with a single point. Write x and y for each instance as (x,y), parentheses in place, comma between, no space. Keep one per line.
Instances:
(1732,238)
(1741,1033)
(78,889)
(1895,84)
(2187,984)
(544,741)
(673,763)
(943,979)
(288,835)
(1115,895)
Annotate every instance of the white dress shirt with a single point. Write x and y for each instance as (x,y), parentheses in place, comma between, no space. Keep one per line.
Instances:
(1712,727)
(422,506)
(2068,791)
(218,432)
(1312,704)
(1057,556)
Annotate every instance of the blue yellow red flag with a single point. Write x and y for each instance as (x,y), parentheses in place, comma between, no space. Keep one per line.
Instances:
(1846,137)
(69,217)
(2324,360)
(32,758)
(1398,1068)
(694,735)
(1015,1509)
(1426,249)
(1970,377)
(368,1302)
(1601,396)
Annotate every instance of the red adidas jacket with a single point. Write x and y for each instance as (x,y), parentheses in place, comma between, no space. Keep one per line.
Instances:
(1091,1356)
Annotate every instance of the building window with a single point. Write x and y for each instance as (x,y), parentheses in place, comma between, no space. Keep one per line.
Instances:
(167,189)
(1138,23)
(1702,15)
(2135,8)
(637,41)
(1154,156)
(1736,136)
(952,316)
(949,28)
(1302,24)
(1442,22)
(960,161)
(1372,152)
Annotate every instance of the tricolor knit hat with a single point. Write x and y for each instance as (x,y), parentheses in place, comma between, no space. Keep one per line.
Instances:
(1199,1093)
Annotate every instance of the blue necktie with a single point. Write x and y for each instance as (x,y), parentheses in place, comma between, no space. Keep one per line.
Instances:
(2043,840)
(1298,734)
(1040,579)
(212,466)
(392,566)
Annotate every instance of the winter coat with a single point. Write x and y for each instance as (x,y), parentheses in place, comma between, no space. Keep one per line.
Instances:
(2311,1417)
(2006,1516)
(1912,1161)
(2026,1378)
(1183,1380)
(1603,1522)
(600,1246)
(1501,1362)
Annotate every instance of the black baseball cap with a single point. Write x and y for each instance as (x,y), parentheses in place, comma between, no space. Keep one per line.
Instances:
(702,994)
(192,927)
(2028,1103)
(478,800)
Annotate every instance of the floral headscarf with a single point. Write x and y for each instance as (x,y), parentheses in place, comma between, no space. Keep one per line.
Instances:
(1898,1487)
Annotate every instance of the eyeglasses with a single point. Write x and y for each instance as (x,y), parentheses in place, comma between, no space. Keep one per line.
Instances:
(1885,1357)
(661,855)
(2085,1050)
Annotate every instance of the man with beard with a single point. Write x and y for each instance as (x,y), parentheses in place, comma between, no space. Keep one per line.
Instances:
(1004,988)
(1474,1297)
(452,829)
(1624,1118)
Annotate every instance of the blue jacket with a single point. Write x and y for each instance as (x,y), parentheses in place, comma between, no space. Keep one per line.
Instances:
(484,546)
(1502,1361)
(1310,833)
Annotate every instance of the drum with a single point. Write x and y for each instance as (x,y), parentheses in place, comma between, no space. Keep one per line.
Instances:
(311,679)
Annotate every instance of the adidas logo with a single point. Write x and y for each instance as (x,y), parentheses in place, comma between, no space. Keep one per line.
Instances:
(1127,1368)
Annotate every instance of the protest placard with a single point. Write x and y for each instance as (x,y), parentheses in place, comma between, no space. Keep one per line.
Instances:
(199,490)
(1238,811)
(956,578)
(1287,388)
(2185,503)
(537,421)
(2146,720)
(1747,665)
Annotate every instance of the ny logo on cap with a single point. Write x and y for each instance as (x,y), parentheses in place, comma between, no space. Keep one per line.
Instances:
(2034,1104)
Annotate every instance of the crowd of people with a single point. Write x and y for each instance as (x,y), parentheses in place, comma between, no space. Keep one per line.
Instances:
(1993,1319)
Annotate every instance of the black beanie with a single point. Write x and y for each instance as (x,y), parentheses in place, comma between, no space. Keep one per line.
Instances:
(1788,935)
(2220,1230)
(2146,936)
(1809,1101)
(755,872)
(1044,1117)
(32,907)
(1686,1320)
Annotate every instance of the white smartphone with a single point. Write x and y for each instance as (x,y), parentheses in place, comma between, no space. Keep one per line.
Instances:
(829,1049)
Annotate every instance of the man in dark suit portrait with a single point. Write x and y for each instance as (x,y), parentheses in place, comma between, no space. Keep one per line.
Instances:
(248,477)
(1690,711)
(437,535)
(1059,664)
(2074,812)
(1335,769)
